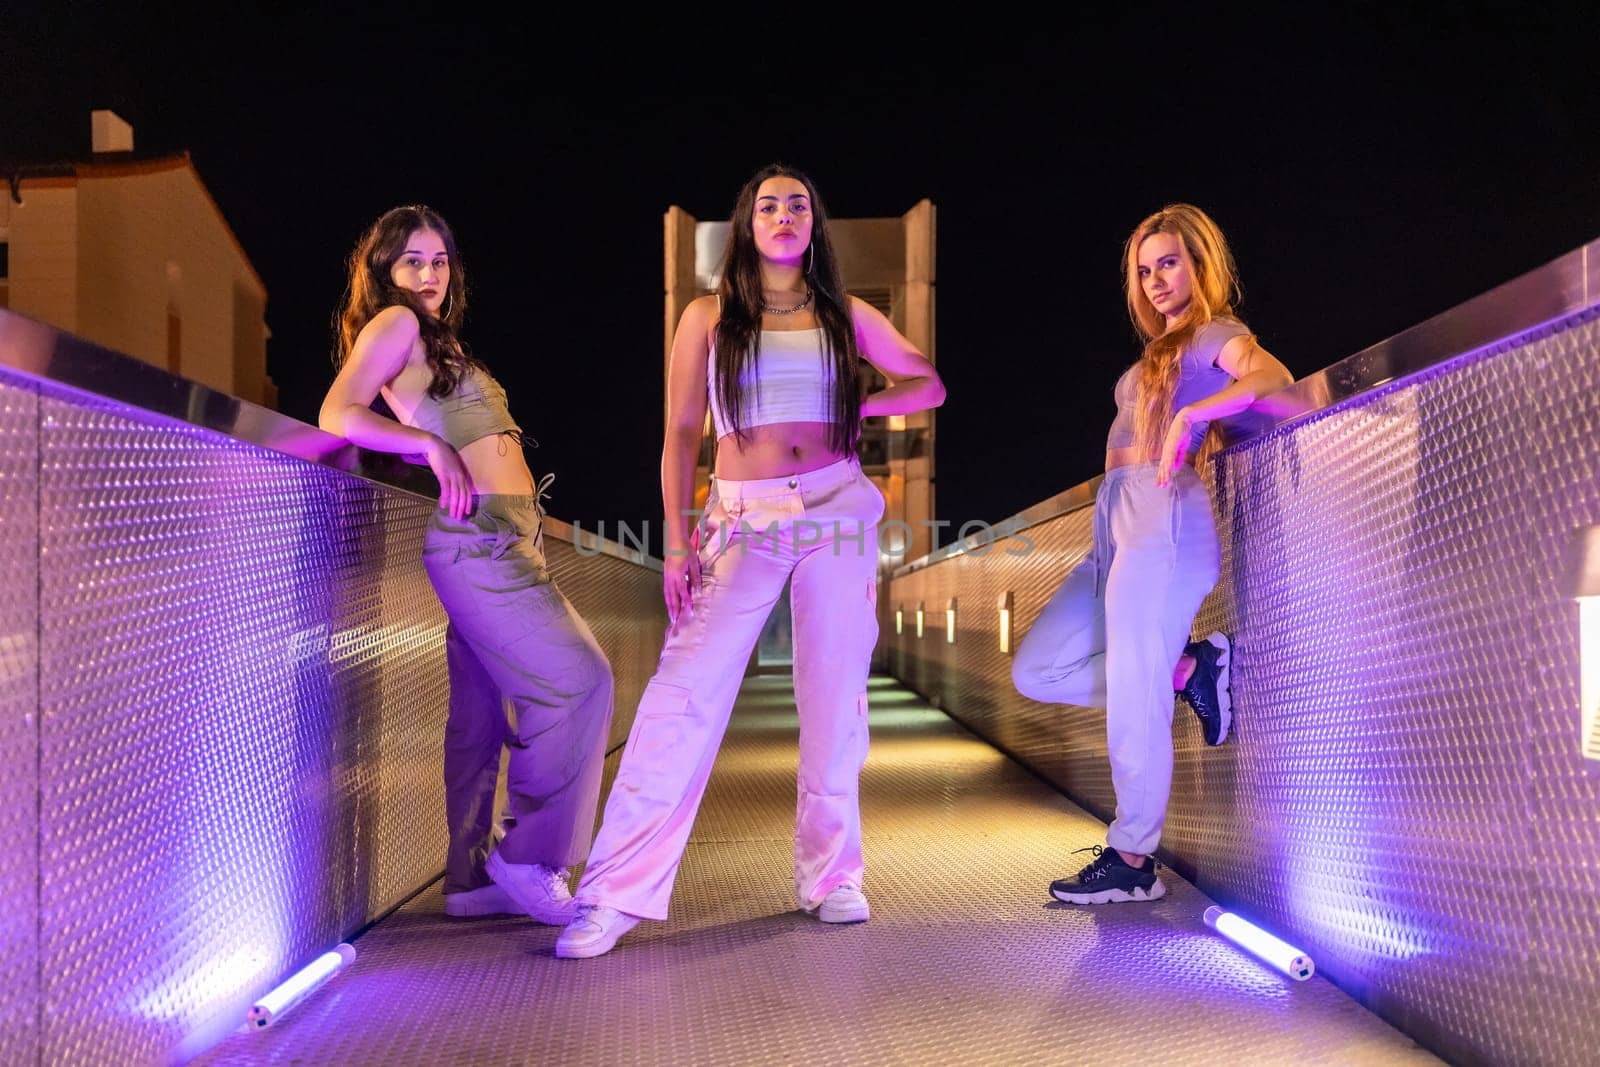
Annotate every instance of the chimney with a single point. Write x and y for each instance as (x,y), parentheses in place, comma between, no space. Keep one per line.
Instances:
(109,132)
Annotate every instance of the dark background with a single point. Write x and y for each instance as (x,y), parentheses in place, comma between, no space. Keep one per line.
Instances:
(1372,167)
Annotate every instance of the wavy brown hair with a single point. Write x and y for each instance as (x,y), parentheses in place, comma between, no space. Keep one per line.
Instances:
(1214,280)
(738,337)
(369,288)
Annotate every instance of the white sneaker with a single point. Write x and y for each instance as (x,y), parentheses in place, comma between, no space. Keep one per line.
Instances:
(593,932)
(485,900)
(844,904)
(539,891)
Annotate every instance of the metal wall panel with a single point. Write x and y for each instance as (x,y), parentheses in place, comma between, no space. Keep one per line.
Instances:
(19,724)
(242,696)
(1405,792)
(222,697)
(1374,573)
(1561,401)
(241,705)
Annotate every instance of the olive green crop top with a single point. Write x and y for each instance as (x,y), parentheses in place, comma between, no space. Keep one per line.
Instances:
(474,410)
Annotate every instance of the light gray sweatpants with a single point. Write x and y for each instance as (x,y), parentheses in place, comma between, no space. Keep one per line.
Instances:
(513,635)
(1115,629)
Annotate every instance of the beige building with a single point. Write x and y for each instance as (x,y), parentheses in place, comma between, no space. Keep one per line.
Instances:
(132,253)
(888,262)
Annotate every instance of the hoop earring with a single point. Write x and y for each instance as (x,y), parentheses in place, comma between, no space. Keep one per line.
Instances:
(444,308)
(811,254)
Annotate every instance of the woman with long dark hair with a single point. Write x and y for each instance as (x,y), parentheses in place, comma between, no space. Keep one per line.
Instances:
(512,635)
(775,355)
(1116,633)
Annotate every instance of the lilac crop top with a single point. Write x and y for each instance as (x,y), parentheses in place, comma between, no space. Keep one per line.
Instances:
(792,382)
(476,408)
(1198,378)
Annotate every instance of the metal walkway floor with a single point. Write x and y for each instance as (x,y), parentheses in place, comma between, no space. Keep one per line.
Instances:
(966,958)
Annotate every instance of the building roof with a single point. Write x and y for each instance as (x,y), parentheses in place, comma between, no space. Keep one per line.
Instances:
(116,165)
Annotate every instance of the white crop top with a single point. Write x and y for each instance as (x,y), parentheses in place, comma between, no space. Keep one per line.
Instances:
(792,381)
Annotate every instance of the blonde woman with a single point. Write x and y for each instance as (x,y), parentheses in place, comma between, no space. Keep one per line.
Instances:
(1116,633)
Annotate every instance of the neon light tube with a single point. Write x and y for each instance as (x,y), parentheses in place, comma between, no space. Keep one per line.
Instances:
(1282,955)
(272,1007)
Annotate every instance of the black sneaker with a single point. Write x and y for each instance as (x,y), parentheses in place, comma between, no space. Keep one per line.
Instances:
(1109,878)
(1207,689)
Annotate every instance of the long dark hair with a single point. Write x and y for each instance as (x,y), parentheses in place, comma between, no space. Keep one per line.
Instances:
(369,289)
(739,328)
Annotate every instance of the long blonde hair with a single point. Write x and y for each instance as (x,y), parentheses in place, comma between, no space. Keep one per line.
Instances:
(1214,281)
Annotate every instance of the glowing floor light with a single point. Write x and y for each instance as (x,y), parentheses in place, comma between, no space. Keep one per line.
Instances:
(1282,955)
(307,980)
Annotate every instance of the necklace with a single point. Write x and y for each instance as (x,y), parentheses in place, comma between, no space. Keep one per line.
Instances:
(770,310)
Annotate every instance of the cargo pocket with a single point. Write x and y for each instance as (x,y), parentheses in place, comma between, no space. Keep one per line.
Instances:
(528,611)
(506,535)
(444,535)
(440,550)
(664,747)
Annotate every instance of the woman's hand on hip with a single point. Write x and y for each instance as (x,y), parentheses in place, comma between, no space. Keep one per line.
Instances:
(455,484)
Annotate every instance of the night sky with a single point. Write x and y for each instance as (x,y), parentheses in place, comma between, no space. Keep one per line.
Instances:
(1370,172)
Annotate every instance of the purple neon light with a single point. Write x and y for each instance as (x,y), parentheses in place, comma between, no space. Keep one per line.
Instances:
(1282,955)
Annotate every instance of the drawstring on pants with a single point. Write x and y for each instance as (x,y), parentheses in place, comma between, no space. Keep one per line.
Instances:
(1100,546)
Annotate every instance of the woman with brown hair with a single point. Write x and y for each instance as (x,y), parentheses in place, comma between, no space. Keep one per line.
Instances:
(774,355)
(512,635)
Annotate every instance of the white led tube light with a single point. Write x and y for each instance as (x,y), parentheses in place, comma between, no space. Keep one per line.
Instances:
(270,1008)
(1282,955)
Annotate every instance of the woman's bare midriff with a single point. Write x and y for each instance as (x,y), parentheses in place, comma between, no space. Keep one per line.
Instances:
(496,465)
(776,450)
(1127,457)
(1121,457)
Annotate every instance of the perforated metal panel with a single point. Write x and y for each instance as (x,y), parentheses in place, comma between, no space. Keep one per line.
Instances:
(1561,452)
(241,709)
(1405,791)
(1375,579)
(241,692)
(19,702)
